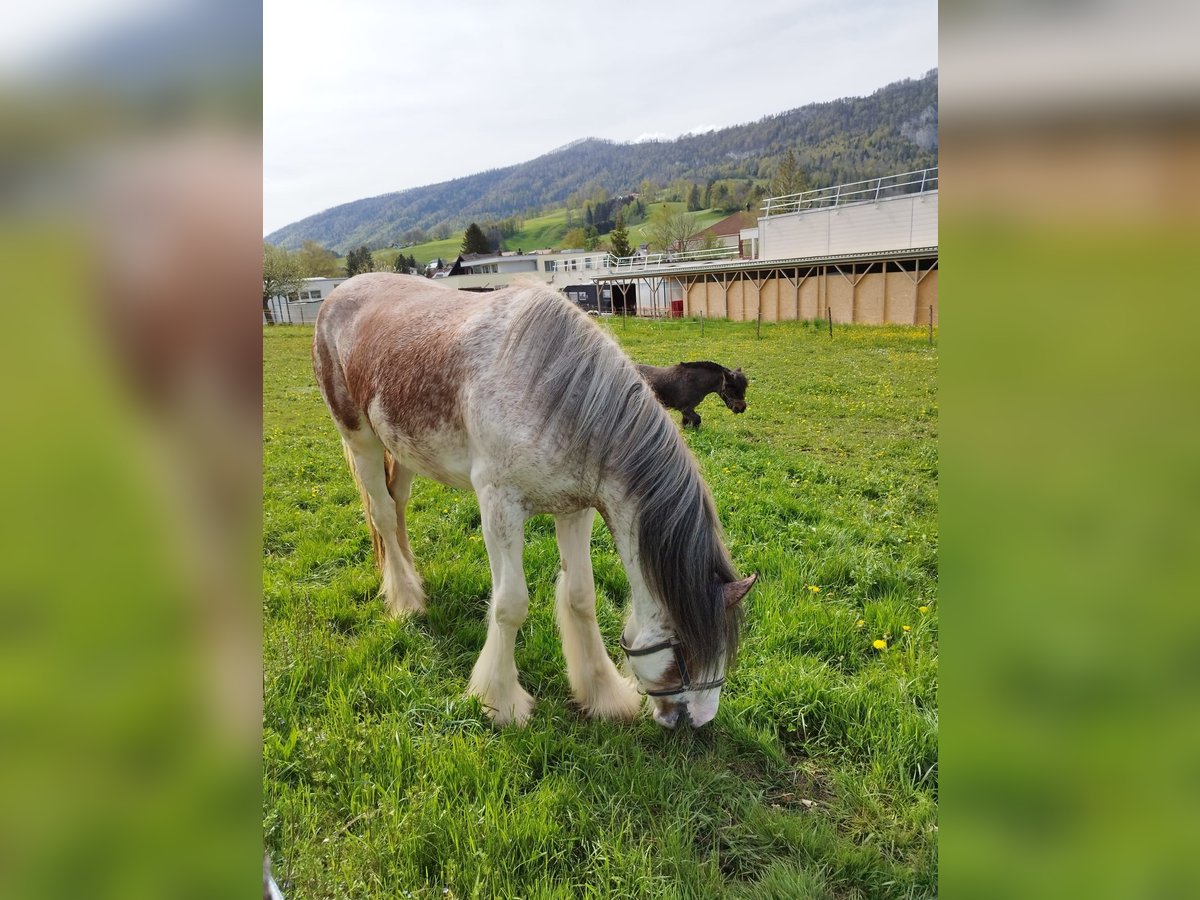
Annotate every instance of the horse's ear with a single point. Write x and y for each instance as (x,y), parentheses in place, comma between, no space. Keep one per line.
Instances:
(736,591)
(738,370)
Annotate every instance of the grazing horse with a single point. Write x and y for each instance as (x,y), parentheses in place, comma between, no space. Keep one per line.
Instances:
(683,386)
(521,398)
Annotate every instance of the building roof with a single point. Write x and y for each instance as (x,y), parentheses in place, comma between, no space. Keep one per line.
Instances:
(742,265)
(732,225)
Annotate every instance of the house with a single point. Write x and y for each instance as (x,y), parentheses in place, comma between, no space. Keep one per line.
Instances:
(493,264)
(728,231)
(300,307)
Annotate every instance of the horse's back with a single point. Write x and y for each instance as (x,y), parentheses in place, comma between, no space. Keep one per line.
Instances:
(513,387)
(392,342)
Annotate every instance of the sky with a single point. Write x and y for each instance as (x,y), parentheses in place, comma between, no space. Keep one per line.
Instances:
(367,97)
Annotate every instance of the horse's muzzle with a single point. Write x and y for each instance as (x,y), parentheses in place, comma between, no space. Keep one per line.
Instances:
(738,406)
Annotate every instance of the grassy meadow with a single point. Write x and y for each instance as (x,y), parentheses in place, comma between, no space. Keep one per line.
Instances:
(537,233)
(818,777)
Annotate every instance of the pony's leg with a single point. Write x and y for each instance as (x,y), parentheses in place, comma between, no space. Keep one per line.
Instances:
(597,685)
(494,678)
(691,417)
(401,585)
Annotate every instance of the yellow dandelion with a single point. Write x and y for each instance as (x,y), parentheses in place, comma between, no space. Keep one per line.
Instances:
(880,644)
(906,628)
(923,609)
(814,589)
(860,623)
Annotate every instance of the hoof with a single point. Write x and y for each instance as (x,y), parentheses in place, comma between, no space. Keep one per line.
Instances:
(618,702)
(512,710)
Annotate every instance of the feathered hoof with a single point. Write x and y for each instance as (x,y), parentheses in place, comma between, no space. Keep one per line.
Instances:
(618,702)
(404,607)
(403,597)
(512,710)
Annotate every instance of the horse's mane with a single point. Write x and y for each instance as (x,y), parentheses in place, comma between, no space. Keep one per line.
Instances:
(737,379)
(585,390)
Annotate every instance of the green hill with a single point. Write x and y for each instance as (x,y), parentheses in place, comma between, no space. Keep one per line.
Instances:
(892,130)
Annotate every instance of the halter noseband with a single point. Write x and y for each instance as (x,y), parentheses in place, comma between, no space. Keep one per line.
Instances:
(677,649)
(723,392)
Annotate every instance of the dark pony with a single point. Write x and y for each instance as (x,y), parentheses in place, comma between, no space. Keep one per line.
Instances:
(682,387)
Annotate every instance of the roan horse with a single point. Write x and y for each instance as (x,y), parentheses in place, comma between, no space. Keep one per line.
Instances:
(683,386)
(519,397)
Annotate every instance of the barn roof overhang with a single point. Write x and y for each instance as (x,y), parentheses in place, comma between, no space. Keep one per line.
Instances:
(709,267)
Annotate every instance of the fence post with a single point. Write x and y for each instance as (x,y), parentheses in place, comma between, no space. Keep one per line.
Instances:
(701,324)
(931,325)
(829,311)
(758,324)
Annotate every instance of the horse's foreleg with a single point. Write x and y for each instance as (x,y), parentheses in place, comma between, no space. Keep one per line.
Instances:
(401,584)
(691,417)
(595,682)
(494,678)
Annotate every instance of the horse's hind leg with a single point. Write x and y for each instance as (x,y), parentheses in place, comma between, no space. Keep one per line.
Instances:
(494,678)
(595,682)
(401,585)
(400,487)
(691,417)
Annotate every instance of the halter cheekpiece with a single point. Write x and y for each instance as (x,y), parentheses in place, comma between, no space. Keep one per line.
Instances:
(677,649)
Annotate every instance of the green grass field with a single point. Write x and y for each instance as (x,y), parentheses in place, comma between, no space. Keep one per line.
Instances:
(537,233)
(818,777)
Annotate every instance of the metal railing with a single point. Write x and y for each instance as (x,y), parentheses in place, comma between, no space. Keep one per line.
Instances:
(869,191)
(632,263)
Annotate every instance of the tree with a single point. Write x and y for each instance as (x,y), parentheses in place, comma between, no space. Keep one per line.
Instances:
(359,260)
(671,230)
(618,241)
(755,199)
(574,239)
(495,237)
(693,198)
(475,241)
(591,238)
(401,264)
(281,277)
(719,195)
(789,178)
(708,240)
(315,261)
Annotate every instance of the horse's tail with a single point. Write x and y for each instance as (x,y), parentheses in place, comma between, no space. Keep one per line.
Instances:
(389,465)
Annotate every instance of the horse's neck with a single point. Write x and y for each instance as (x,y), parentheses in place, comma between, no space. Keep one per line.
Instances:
(713,380)
(650,618)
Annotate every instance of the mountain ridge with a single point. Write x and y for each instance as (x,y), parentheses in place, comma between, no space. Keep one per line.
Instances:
(890,130)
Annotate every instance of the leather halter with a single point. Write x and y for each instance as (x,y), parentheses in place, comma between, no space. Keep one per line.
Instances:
(723,392)
(677,649)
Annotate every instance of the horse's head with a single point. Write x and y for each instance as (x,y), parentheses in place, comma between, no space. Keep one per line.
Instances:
(733,390)
(670,673)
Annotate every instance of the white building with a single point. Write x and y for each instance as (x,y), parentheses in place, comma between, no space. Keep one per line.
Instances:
(300,308)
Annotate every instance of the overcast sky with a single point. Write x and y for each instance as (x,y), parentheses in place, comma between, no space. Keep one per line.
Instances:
(365,97)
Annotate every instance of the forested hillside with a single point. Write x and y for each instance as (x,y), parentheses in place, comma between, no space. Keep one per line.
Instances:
(892,130)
